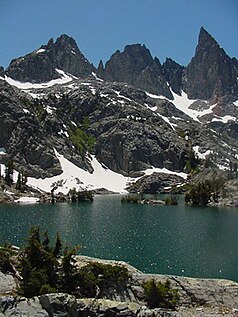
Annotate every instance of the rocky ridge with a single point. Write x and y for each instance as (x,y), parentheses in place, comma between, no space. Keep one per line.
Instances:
(136,67)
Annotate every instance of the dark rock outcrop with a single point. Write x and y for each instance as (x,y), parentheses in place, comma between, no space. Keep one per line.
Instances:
(136,67)
(173,73)
(155,183)
(211,72)
(40,65)
(2,73)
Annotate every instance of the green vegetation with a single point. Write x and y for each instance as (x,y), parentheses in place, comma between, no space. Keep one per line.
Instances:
(40,267)
(81,140)
(204,192)
(45,269)
(6,258)
(171,200)
(160,294)
(80,196)
(9,172)
(192,162)
(131,199)
(96,278)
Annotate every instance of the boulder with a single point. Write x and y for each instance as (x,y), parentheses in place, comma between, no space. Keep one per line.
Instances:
(22,307)
(7,283)
(59,304)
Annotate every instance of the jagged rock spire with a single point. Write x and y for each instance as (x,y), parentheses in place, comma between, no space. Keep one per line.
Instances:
(136,66)
(211,72)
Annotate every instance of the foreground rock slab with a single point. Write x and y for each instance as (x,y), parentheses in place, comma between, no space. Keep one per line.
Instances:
(197,297)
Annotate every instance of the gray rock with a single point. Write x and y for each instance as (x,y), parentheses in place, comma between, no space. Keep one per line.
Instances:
(22,307)
(2,73)
(40,65)
(7,283)
(155,183)
(59,304)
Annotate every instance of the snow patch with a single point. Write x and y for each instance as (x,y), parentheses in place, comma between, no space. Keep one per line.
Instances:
(199,154)
(224,119)
(183,103)
(49,109)
(166,171)
(73,176)
(2,151)
(38,96)
(93,90)
(96,77)
(41,50)
(167,121)
(156,96)
(28,200)
(27,85)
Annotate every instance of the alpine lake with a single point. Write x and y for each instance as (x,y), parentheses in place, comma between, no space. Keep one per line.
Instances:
(177,240)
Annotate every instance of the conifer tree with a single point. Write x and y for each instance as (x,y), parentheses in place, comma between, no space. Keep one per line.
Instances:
(19,182)
(9,173)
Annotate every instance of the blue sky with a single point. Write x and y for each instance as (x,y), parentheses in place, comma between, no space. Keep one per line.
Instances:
(169,28)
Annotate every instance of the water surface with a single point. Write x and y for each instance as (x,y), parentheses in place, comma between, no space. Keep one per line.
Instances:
(181,240)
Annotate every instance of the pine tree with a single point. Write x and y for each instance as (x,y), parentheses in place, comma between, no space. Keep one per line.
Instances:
(9,173)
(69,280)
(58,247)
(19,182)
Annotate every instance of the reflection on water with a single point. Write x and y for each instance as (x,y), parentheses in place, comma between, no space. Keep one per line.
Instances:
(180,240)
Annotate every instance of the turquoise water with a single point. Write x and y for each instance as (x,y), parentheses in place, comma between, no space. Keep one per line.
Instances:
(181,240)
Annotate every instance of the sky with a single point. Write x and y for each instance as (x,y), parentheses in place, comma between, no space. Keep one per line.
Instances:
(168,28)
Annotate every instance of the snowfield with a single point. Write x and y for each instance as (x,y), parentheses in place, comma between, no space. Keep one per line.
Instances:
(102,177)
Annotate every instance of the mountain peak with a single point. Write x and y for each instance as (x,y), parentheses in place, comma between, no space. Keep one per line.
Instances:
(66,41)
(211,72)
(40,65)
(205,39)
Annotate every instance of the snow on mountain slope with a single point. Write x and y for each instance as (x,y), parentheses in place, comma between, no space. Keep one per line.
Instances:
(27,85)
(199,154)
(184,104)
(224,119)
(74,176)
(102,177)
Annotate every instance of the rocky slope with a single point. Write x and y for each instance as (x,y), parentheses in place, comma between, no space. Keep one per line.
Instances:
(119,120)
